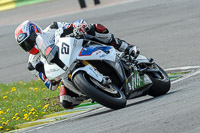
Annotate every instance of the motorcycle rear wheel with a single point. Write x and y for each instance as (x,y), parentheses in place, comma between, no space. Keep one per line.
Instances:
(84,83)
(161,83)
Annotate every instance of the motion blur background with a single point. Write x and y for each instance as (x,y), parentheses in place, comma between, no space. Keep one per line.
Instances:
(166,30)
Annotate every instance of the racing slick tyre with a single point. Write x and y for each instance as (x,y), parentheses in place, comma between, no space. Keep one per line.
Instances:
(161,82)
(114,98)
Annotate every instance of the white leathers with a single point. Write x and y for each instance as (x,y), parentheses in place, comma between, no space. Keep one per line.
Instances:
(108,37)
(34,60)
(49,35)
(105,38)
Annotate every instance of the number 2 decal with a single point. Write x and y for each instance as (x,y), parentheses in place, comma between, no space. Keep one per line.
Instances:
(65,48)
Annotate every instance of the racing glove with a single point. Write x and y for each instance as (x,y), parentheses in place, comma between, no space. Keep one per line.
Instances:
(80,30)
(133,51)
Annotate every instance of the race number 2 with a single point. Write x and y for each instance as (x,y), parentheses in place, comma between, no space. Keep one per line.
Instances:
(65,48)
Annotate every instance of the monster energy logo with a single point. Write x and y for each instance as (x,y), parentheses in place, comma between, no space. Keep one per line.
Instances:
(136,80)
(139,80)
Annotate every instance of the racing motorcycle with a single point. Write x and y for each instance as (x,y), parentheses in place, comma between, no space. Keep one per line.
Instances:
(102,73)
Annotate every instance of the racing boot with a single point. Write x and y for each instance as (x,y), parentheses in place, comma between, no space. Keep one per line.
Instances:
(69,99)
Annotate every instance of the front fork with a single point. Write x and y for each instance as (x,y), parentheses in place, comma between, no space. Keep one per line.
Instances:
(93,72)
(106,80)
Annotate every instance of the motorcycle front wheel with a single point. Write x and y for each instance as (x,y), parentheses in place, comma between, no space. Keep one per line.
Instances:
(111,97)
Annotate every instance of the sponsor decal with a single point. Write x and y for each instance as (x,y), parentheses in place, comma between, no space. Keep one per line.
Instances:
(131,84)
(102,56)
(52,70)
(140,81)
(92,69)
(137,80)
(21,37)
(98,52)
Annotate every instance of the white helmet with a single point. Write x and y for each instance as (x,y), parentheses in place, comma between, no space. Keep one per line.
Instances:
(25,35)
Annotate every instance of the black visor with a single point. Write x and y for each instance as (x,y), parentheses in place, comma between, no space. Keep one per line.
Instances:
(29,43)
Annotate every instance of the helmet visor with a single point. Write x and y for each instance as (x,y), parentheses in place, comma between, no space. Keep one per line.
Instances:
(27,45)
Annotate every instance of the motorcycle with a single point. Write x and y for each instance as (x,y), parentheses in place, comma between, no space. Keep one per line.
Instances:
(102,73)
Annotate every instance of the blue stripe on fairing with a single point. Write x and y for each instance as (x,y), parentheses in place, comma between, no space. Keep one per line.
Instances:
(89,50)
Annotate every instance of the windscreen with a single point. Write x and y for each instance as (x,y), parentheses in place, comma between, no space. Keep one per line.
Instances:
(42,43)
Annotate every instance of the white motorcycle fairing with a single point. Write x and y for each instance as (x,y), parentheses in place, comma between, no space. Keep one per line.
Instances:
(71,50)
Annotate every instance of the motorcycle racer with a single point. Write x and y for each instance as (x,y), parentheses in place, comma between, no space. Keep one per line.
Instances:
(27,32)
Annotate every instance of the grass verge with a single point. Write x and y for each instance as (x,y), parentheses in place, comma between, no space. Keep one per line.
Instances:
(24,102)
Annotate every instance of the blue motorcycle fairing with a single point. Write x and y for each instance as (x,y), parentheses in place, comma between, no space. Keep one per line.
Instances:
(89,50)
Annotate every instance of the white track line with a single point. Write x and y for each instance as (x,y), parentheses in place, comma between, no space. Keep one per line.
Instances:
(185,68)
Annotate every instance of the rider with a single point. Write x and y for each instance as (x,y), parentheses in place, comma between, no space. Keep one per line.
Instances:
(27,32)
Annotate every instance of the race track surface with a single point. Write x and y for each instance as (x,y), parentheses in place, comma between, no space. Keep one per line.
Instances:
(166,30)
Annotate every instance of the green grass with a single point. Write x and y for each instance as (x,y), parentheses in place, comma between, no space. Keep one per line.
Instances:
(26,101)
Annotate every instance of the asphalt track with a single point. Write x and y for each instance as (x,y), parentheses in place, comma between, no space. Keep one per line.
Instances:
(166,30)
